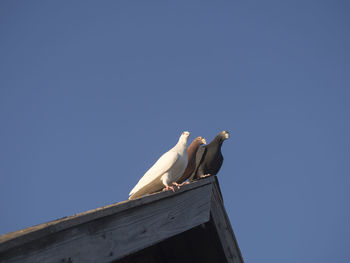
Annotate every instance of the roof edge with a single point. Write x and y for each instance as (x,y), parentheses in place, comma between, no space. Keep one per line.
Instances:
(17,238)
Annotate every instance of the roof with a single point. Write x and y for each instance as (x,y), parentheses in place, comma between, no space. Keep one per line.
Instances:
(190,225)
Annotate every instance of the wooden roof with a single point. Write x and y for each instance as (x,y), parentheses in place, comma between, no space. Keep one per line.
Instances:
(190,225)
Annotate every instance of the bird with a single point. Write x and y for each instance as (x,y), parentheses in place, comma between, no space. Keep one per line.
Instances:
(191,153)
(165,172)
(209,158)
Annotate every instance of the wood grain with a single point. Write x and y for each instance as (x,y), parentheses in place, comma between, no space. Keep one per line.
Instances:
(114,236)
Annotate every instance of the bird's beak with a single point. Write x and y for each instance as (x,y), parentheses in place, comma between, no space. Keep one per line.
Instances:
(204,141)
(227,135)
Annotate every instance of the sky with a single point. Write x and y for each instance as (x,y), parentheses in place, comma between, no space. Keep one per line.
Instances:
(93,92)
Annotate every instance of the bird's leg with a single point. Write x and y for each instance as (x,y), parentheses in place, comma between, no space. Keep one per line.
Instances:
(204,175)
(169,188)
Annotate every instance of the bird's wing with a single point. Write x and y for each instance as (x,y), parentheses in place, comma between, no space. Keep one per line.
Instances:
(199,158)
(153,187)
(164,163)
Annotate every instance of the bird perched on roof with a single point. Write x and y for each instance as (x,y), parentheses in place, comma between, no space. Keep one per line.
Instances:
(209,158)
(165,172)
(191,153)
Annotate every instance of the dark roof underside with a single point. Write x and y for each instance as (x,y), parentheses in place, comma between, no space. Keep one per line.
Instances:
(199,244)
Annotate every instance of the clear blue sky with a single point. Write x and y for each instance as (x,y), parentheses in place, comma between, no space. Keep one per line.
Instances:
(93,92)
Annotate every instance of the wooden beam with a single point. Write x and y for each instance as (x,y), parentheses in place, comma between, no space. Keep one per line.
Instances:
(109,233)
(18,238)
(112,232)
(223,227)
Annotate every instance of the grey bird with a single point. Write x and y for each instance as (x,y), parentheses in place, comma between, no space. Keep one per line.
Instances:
(209,158)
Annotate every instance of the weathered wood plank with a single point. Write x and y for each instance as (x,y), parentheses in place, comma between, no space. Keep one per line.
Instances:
(224,228)
(18,238)
(114,234)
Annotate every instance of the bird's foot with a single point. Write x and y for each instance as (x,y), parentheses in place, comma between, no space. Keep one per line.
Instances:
(204,176)
(169,188)
(179,185)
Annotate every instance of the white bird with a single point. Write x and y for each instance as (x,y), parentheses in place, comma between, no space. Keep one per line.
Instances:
(165,172)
